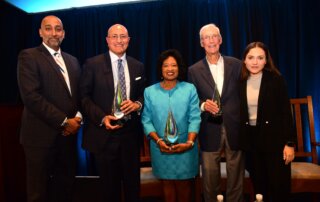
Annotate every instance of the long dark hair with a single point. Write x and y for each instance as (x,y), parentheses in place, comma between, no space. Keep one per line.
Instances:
(269,66)
(177,56)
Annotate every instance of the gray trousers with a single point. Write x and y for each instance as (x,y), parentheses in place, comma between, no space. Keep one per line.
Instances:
(211,175)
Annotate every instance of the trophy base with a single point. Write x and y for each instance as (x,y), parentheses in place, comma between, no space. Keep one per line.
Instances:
(171,144)
(219,114)
(216,118)
(119,122)
(118,115)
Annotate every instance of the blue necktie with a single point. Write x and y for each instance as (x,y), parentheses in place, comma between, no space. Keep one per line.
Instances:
(122,79)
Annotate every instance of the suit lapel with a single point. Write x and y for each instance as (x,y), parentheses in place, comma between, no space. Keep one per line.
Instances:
(54,66)
(206,73)
(227,75)
(263,89)
(243,97)
(72,75)
(132,74)
(107,73)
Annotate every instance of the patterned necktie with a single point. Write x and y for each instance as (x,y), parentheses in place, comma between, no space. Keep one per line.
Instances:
(59,61)
(62,68)
(122,79)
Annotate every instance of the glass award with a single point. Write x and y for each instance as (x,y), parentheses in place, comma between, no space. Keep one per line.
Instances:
(216,98)
(170,133)
(117,100)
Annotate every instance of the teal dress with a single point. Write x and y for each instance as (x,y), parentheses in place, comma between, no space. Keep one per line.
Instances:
(184,103)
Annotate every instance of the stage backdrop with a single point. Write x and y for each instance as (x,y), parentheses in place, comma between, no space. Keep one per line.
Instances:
(289,28)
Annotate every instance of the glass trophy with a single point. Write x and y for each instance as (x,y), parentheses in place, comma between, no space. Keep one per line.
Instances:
(117,100)
(216,98)
(170,133)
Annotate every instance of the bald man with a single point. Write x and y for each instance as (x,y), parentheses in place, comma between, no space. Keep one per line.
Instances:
(115,146)
(48,80)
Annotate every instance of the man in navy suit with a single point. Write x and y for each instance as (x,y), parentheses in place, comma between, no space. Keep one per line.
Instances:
(51,118)
(115,146)
(218,133)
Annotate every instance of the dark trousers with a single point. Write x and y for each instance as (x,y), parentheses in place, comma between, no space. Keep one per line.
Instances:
(51,171)
(270,176)
(119,168)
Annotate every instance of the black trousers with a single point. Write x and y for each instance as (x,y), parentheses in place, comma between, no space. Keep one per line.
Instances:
(270,176)
(119,168)
(51,171)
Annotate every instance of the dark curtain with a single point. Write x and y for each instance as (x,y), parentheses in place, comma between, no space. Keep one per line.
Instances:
(289,28)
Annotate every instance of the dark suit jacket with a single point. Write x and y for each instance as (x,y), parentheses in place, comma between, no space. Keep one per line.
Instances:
(97,93)
(45,94)
(274,119)
(210,129)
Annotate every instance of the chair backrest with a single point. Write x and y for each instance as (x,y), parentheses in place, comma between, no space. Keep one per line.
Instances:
(145,151)
(304,127)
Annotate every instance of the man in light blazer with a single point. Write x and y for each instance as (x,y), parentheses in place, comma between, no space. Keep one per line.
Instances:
(115,146)
(51,117)
(218,133)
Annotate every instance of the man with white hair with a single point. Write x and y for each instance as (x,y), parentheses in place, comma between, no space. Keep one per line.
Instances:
(219,130)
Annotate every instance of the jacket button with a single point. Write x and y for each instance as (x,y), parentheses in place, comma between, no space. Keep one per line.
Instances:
(247,123)
(267,122)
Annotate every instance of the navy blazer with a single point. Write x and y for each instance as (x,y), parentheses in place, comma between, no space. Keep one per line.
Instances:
(274,118)
(97,93)
(45,94)
(210,130)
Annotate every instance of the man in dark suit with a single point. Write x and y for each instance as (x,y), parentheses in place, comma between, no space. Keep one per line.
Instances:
(48,80)
(218,133)
(115,146)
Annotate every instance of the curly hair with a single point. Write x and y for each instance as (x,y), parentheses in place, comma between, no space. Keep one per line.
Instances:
(177,56)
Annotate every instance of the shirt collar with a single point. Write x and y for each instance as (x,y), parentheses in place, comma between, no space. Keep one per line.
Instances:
(51,51)
(219,62)
(115,58)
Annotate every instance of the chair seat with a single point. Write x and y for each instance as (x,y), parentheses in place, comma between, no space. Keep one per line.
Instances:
(304,170)
(150,185)
(146,175)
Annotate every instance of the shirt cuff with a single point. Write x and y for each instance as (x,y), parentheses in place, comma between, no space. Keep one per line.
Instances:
(64,123)
(102,121)
(202,107)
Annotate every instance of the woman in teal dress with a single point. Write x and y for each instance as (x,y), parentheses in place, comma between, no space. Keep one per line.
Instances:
(175,163)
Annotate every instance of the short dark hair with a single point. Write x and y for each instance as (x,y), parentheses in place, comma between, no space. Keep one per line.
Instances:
(177,56)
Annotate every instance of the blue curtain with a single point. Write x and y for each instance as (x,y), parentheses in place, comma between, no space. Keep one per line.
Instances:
(289,28)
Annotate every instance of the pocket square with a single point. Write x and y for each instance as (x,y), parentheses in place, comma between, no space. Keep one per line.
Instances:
(138,78)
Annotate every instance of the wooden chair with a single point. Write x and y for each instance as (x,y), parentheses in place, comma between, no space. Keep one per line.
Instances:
(305,175)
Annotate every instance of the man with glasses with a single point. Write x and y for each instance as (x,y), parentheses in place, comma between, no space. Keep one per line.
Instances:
(219,132)
(114,141)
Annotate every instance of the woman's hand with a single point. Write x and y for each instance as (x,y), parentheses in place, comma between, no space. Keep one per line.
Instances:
(177,148)
(288,154)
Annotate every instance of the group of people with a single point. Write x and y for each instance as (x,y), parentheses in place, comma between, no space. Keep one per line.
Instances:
(249,122)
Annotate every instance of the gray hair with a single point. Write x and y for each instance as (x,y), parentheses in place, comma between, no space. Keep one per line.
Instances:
(211,25)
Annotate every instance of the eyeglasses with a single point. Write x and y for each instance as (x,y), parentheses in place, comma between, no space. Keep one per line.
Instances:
(207,37)
(121,37)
